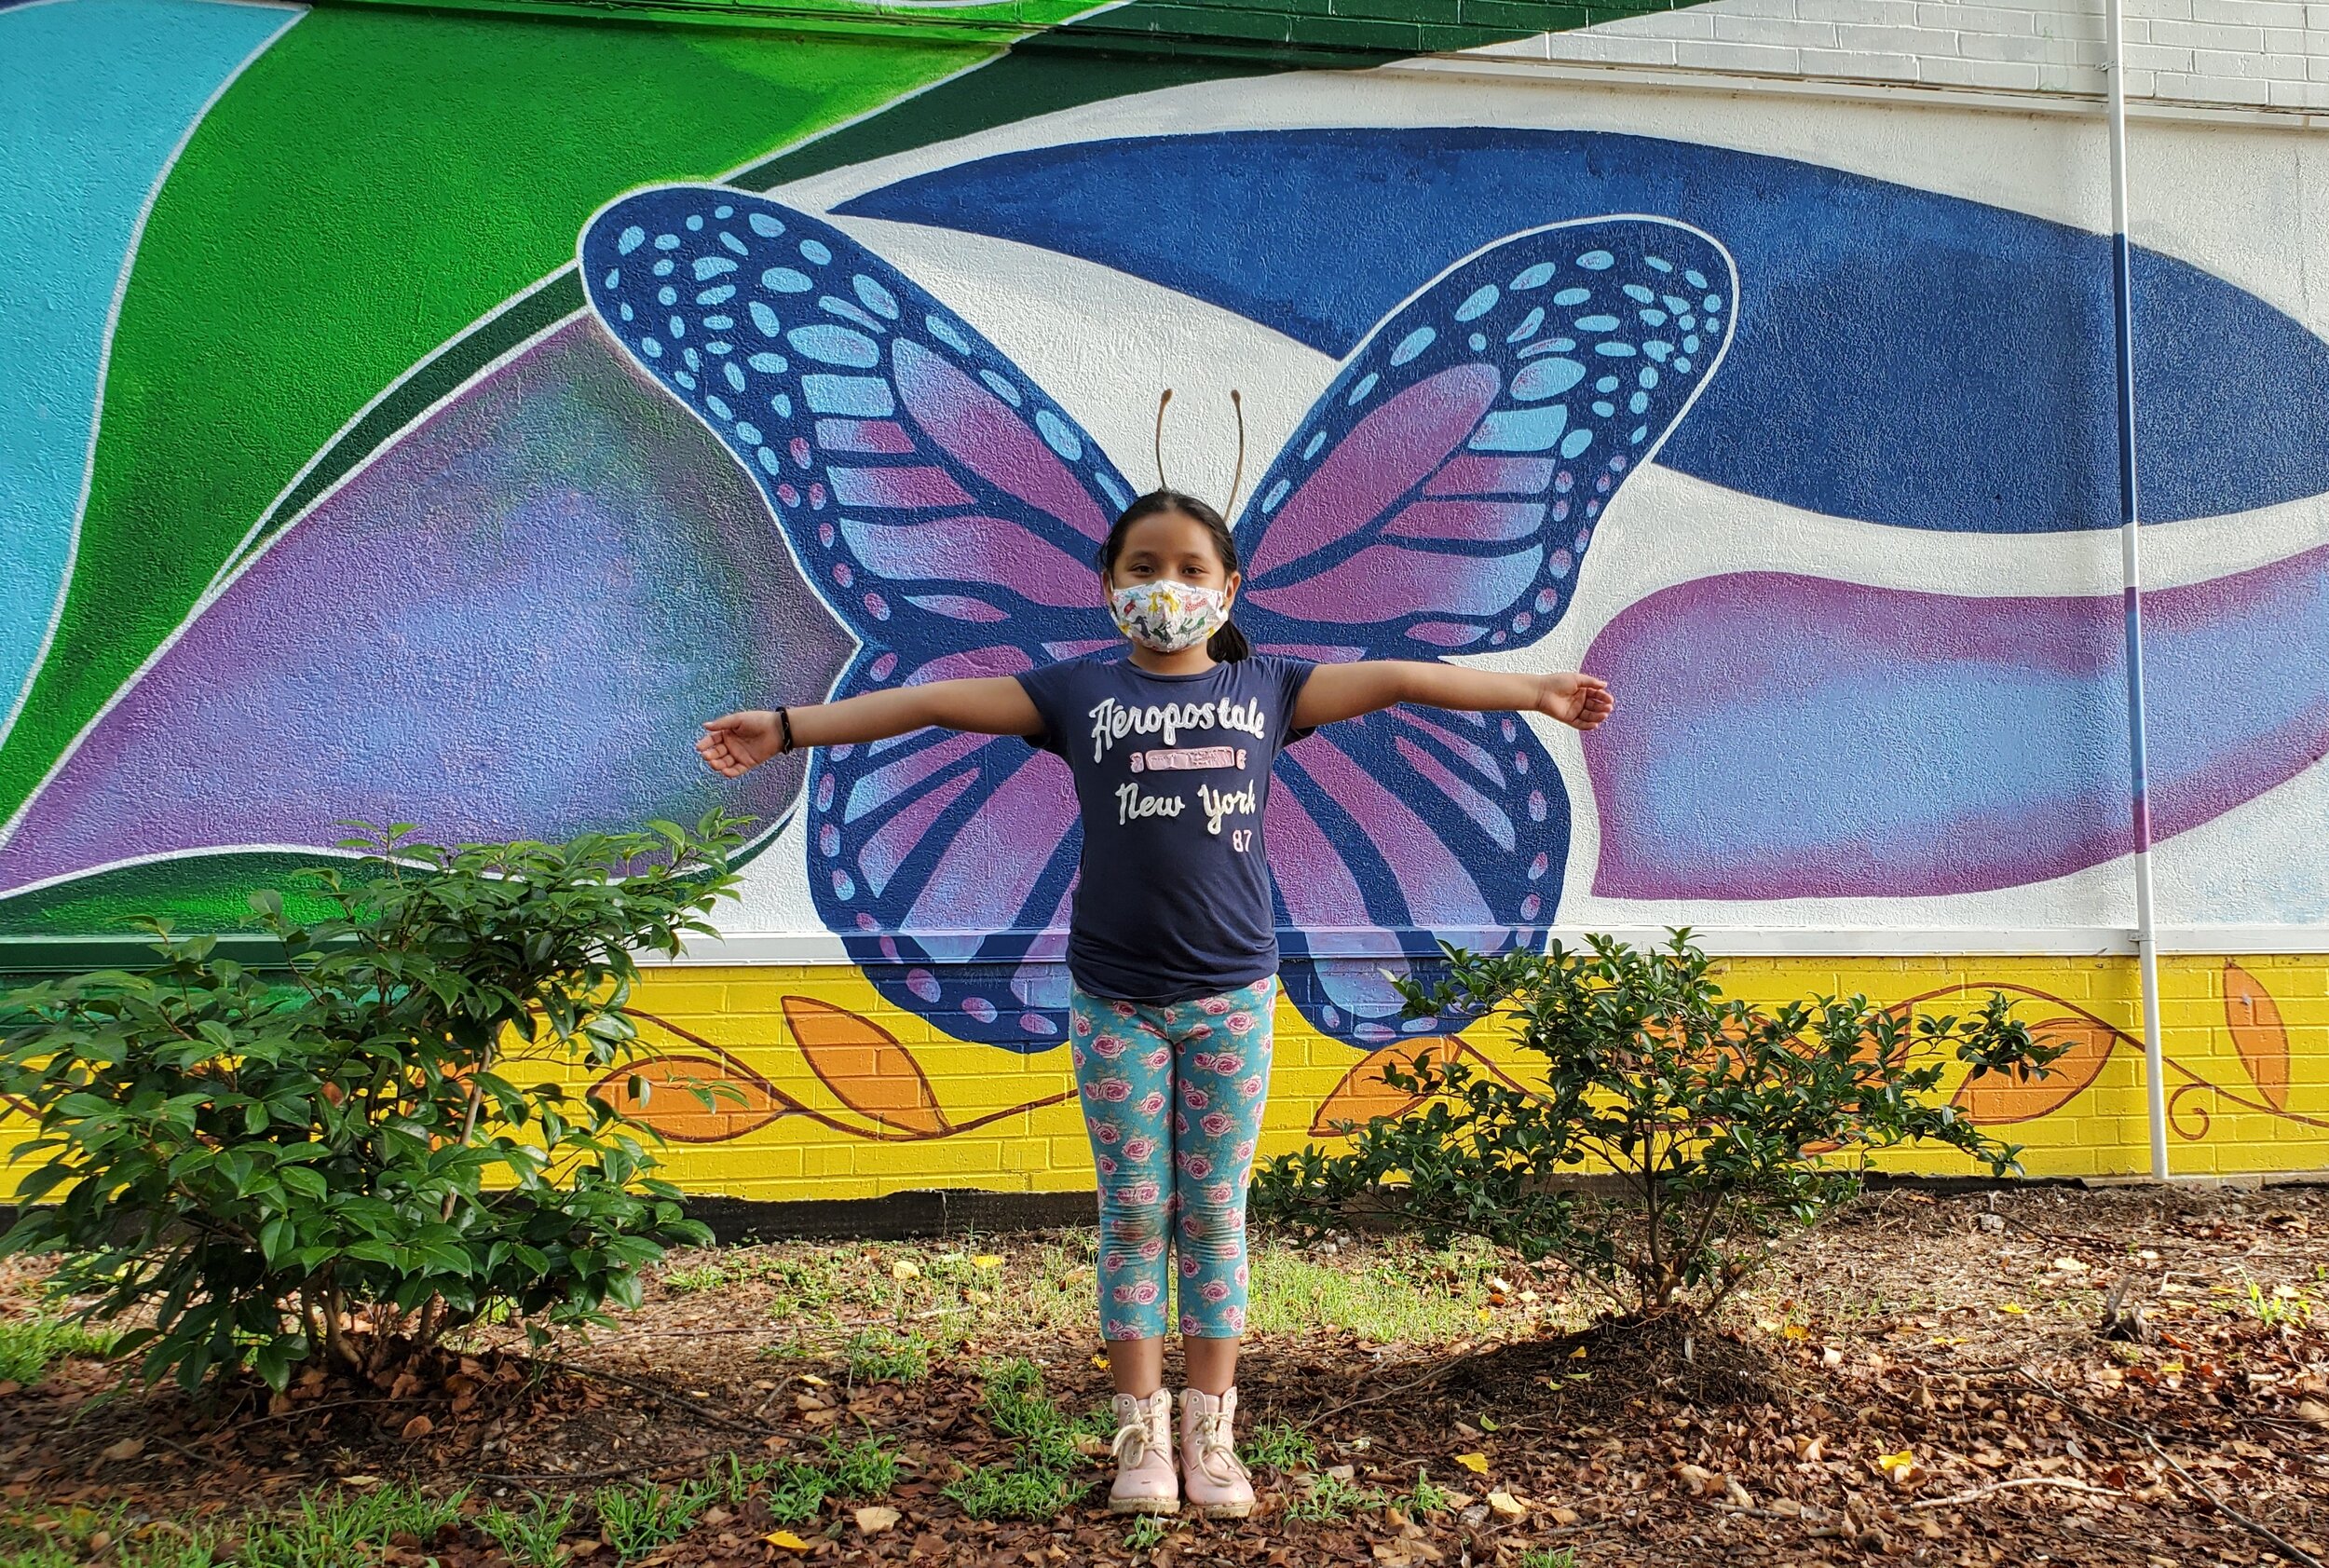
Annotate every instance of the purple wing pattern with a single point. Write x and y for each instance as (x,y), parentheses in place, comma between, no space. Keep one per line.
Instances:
(1441,498)
(947,512)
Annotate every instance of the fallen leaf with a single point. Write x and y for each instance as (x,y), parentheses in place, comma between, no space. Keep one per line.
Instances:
(1898,1465)
(1476,1463)
(987,1261)
(1796,1331)
(1577,1355)
(2069,1265)
(904,1269)
(873,1522)
(1507,1505)
(2016,1308)
(1488,1422)
(814,1380)
(1565,1516)
(1100,1360)
(128,1448)
(1700,1480)
(1831,1356)
(786,1539)
(419,1426)
(2314,1412)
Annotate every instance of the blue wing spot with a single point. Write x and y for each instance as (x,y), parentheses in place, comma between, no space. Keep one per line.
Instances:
(764,318)
(1597,261)
(863,396)
(651,349)
(709,268)
(1659,350)
(849,312)
(785,280)
(945,334)
(879,300)
(679,329)
(1413,344)
(1115,495)
(663,268)
(1576,441)
(1366,385)
(766,224)
(1649,376)
(1482,301)
(1001,388)
(980,1008)
(724,211)
(1657,264)
(1689,343)
(842,884)
(667,295)
(1615,349)
(1675,302)
(695,222)
(782,404)
(1596,323)
(614,277)
(629,241)
(1540,379)
(667,242)
(1638,403)
(1521,430)
(1606,384)
(1278,492)
(719,324)
(684,379)
(1638,295)
(1714,305)
(626,312)
(748,432)
(1478,342)
(1604,408)
(719,295)
(1058,436)
(731,243)
(735,375)
(1527,329)
(835,346)
(718,405)
(1652,318)
(816,252)
(1639,431)
(1573,296)
(1311,447)
(1695,278)
(769,365)
(1534,277)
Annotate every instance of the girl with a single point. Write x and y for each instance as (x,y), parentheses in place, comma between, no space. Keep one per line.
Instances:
(1172,946)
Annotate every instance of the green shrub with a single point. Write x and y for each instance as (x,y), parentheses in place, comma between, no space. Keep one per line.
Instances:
(1720,1121)
(252,1157)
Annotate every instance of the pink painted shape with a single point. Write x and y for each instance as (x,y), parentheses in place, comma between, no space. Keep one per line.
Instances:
(1491,818)
(986,436)
(995,859)
(1471,750)
(888,845)
(885,436)
(1446,634)
(1472,474)
(1383,582)
(1485,521)
(958,607)
(975,550)
(1386,456)
(1320,892)
(970,664)
(888,781)
(904,488)
(1440,894)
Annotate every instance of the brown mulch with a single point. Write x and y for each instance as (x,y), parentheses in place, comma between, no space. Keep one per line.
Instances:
(1926,1379)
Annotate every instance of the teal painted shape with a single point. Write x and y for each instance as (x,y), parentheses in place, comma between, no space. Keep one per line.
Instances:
(96,97)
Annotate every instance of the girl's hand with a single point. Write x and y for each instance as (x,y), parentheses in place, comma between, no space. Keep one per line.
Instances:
(736,743)
(1579,701)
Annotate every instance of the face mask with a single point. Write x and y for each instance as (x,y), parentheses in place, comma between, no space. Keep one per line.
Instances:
(1167,617)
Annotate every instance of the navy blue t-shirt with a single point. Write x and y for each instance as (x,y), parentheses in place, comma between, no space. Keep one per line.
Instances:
(1173,775)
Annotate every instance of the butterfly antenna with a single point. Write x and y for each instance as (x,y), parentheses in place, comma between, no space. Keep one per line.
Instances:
(1160,438)
(1237,475)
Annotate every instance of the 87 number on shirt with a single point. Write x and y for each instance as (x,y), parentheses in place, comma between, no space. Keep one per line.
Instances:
(1240,838)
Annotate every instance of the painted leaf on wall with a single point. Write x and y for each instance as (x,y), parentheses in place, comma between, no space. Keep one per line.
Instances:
(2258,1033)
(865,1066)
(667,1094)
(1994,1098)
(1363,1096)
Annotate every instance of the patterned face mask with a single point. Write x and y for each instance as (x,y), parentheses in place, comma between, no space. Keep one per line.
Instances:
(1168,616)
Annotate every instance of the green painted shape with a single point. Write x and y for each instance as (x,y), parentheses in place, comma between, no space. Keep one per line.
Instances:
(372,184)
(199,893)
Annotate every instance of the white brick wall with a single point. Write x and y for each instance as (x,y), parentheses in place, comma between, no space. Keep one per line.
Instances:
(2255,53)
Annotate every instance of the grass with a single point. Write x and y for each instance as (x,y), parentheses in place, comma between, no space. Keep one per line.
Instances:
(531,1538)
(1147,1534)
(345,1529)
(1280,1445)
(880,1355)
(794,1491)
(703,1276)
(1401,1293)
(1330,1498)
(1550,1557)
(1039,1482)
(637,1519)
(1424,1497)
(29,1346)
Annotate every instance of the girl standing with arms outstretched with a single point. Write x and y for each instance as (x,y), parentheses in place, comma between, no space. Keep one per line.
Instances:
(1173,942)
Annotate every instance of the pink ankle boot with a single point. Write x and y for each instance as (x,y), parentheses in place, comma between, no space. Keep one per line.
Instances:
(1211,1473)
(1145,1481)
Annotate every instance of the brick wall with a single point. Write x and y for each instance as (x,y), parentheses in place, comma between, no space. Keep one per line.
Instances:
(2255,53)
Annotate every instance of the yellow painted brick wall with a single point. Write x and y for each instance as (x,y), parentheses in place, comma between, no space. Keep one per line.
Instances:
(833,1093)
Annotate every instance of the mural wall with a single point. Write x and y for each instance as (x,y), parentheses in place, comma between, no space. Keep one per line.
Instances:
(431,417)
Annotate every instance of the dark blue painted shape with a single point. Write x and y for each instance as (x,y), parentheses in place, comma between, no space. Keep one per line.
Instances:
(1901,356)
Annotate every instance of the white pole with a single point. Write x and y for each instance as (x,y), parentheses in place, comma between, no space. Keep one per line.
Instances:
(2131,573)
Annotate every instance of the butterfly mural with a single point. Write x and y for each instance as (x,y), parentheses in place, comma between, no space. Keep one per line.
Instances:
(1440,497)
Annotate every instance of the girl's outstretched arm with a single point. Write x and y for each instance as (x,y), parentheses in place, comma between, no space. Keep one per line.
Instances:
(1337,691)
(735,743)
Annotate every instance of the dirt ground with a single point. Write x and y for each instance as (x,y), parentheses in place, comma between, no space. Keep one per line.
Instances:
(1925,1379)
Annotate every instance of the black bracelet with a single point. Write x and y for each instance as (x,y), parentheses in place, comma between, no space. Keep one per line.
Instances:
(784,718)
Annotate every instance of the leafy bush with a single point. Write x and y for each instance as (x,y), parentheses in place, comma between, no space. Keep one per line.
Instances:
(1719,1121)
(333,1157)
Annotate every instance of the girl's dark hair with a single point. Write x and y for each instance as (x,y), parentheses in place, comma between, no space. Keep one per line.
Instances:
(1229,644)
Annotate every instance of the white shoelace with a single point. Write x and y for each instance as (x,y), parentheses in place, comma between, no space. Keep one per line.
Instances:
(1217,1455)
(1136,1440)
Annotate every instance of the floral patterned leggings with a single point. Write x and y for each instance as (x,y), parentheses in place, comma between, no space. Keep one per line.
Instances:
(1173,1098)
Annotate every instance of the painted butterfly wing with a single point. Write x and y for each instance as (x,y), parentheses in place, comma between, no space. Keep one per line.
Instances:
(1440,498)
(949,513)
(1442,494)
